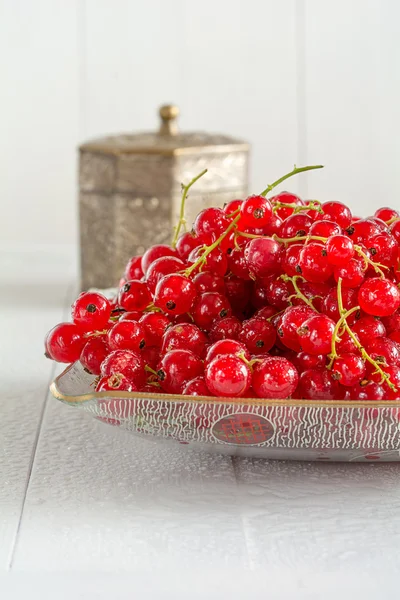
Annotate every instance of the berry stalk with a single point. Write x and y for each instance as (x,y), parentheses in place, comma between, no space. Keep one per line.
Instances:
(294,171)
(299,294)
(182,220)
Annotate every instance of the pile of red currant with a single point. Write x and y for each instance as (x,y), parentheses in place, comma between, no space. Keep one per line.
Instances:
(266,297)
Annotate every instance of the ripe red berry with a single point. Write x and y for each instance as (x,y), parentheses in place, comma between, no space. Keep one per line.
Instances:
(133,269)
(154,326)
(304,361)
(187,242)
(93,353)
(330,303)
(114,383)
(132,315)
(126,335)
(160,267)
(367,391)
(279,292)
(338,213)
(384,249)
(176,368)
(349,369)
(386,214)
(339,250)
(232,206)
(296,226)
(208,308)
(395,230)
(134,295)
(196,387)
(368,328)
(156,251)
(384,351)
(238,292)
(318,384)
(127,363)
(227,347)
(255,211)
(325,229)
(211,222)
(216,261)
(392,323)
(316,335)
(360,231)
(228,376)
(175,294)
(379,297)
(258,335)
(205,281)
(237,263)
(286,198)
(151,357)
(313,263)
(291,321)
(352,274)
(227,328)
(184,336)
(274,377)
(64,343)
(263,256)
(91,311)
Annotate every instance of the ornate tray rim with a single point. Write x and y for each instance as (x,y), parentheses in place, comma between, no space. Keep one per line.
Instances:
(81,399)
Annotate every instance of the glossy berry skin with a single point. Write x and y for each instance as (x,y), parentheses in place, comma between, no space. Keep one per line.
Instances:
(91,311)
(127,363)
(295,226)
(352,274)
(379,297)
(126,335)
(384,350)
(330,303)
(132,315)
(395,230)
(187,242)
(292,320)
(258,335)
(134,295)
(255,211)
(316,335)
(93,353)
(227,376)
(286,198)
(305,361)
(154,326)
(349,369)
(368,328)
(338,213)
(64,343)
(318,384)
(325,229)
(291,258)
(205,281)
(392,323)
(227,347)
(208,308)
(211,222)
(386,214)
(227,328)
(238,292)
(196,387)
(133,269)
(384,249)
(156,251)
(176,368)
(175,294)
(237,263)
(216,261)
(313,263)
(367,391)
(278,293)
(275,377)
(184,336)
(266,312)
(151,357)
(263,255)
(339,249)
(362,230)
(232,206)
(160,267)
(114,383)
(393,372)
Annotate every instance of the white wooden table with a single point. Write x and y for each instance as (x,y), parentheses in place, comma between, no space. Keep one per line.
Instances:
(79,498)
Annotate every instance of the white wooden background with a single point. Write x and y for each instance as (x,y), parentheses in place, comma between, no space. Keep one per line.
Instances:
(304,81)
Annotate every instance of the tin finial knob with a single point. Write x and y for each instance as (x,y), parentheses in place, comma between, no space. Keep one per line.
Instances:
(168,114)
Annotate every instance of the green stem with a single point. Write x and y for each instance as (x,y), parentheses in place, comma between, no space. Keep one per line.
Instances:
(209,249)
(314,205)
(284,177)
(299,293)
(185,190)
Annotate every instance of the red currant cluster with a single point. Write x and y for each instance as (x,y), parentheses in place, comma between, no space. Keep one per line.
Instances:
(270,297)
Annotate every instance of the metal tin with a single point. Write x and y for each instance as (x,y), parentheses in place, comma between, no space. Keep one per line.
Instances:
(130,190)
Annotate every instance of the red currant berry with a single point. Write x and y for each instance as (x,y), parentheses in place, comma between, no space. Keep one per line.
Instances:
(360,231)
(291,259)
(133,315)
(255,211)
(187,242)
(368,328)
(292,319)
(313,263)
(64,343)
(134,296)
(93,353)
(339,249)
(395,337)
(296,226)
(349,369)
(223,329)
(379,297)
(91,311)
(384,351)
(393,372)
(273,227)
(127,363)
(384,249)
(211,222)
(175,294)
(304,361)
(160,267)
(184,336)
(279,292)
(286,198)
(266,312)
(392,323)
(338,213)
(238,292)
(352,274)
(325,229)
(395,230)
(228,376)
(258,335)
(114,383)
(318,384)
(237,263)
(133,269)
(205,281)
(227,347)
(154,326)
(367,391)
(208,308)
(386,214)
(216,261)
(275,377)
(176,368)
(264,256)
(232,206)
(316,335)
(330,304)
(196,387)
(155,252)
(151,357)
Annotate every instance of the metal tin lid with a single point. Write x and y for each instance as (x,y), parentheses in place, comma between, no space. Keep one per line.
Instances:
(167,141)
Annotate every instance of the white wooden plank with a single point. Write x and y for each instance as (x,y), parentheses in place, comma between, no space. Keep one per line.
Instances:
(32,295)
(38,120)
(132,56)
(101,499)
(352,95)
(239,64)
